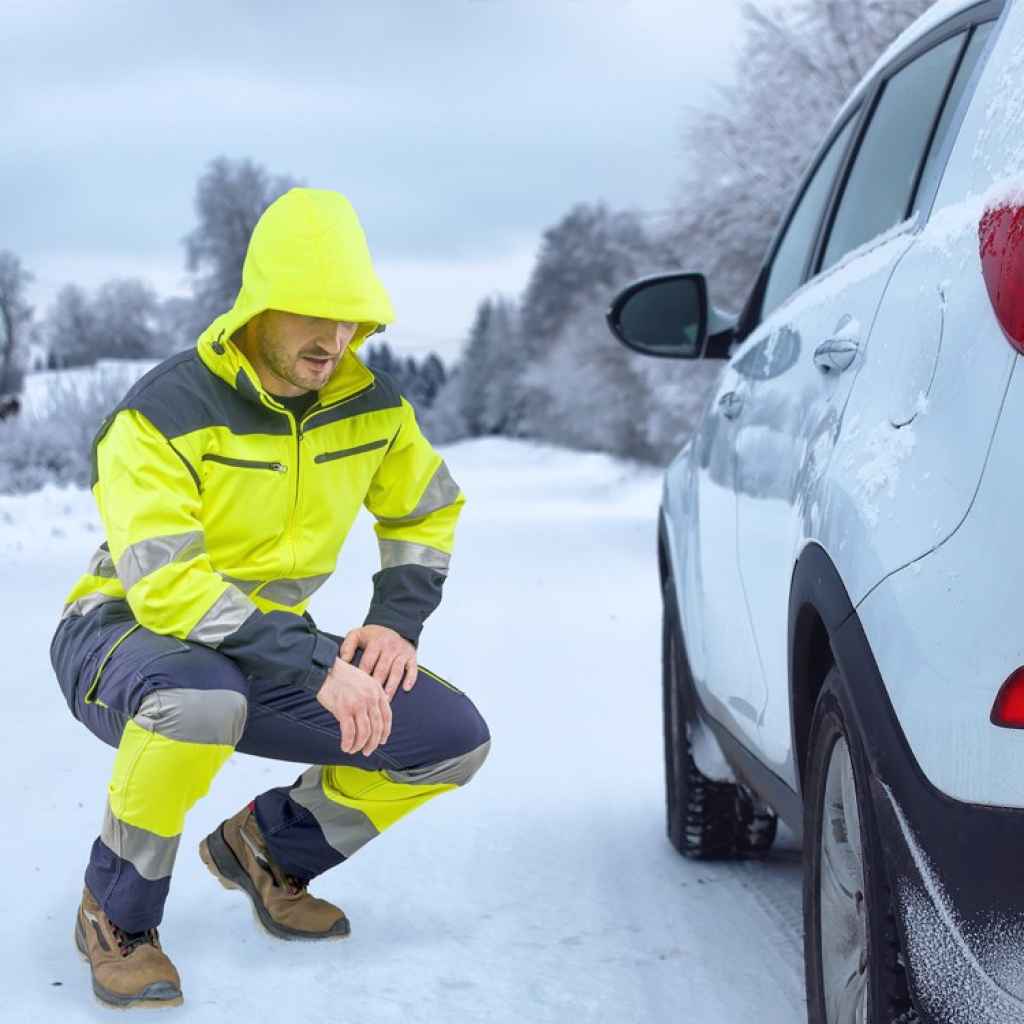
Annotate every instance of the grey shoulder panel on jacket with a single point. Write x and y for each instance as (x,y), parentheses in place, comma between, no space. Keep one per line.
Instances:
(387,386)
(383,394)
(181,395)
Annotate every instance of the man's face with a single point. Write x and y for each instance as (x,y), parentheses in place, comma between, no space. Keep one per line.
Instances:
(297,353)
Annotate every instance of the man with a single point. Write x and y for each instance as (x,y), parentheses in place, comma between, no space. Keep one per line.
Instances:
(226,480)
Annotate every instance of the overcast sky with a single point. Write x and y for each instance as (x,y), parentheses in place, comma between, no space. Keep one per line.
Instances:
(459,129)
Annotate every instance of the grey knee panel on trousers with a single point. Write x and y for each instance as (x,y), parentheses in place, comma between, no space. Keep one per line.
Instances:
(194,716)
(455,771)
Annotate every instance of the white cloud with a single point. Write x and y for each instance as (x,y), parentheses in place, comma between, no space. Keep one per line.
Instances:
(460,129)
(435,300)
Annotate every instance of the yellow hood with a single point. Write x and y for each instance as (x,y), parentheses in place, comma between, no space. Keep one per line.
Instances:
(307,255)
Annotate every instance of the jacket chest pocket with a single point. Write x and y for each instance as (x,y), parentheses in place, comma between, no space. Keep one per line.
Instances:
(340,478)
(344,453)
(226,460)
(235,487)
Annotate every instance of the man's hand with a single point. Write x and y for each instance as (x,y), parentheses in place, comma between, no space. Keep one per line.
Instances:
(387,656)
(359,704)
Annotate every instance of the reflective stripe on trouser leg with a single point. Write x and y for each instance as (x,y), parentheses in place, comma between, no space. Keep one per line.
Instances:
(334,810)
(166,760)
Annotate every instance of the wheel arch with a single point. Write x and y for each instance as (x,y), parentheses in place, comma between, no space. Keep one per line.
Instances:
(818,605)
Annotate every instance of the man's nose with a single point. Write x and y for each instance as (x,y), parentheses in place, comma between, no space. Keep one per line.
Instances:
(330,342)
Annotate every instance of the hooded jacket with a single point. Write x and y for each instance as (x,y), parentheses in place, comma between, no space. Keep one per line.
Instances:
(223,515)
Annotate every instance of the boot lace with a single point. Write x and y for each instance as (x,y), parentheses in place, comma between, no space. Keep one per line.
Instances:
(292,885)
(128,942)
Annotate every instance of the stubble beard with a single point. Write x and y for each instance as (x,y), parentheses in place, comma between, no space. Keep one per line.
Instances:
(280,366)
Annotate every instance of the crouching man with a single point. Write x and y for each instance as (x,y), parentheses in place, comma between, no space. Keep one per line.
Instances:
(226,481)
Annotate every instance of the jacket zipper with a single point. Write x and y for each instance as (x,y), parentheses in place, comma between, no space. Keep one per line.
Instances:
(312,410)
(277,467)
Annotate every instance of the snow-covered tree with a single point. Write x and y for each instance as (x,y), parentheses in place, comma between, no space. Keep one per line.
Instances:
(15,315)
(175,322)
(444,421)
(122,320)
(588,251)
(419,381)
(492,360)
(126,315)
(796,65)
(230,197)
(69,327)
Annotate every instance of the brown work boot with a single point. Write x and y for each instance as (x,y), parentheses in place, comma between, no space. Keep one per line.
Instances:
(128,968)
(238,858)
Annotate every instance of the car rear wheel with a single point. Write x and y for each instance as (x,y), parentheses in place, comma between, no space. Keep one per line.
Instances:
(707,819)
(851,944)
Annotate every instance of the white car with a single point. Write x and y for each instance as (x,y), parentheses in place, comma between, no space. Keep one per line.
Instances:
(842,577)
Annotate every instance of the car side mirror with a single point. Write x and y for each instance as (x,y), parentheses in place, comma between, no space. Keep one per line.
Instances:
(670,316)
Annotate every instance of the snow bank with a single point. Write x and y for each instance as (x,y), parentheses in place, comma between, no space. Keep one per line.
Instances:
(44,387)
(52,520)
(545,891)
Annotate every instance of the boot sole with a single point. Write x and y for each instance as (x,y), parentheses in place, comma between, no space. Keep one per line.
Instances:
(148,999)
(222,863)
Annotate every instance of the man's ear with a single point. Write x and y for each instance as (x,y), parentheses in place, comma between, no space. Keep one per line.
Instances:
(241,334)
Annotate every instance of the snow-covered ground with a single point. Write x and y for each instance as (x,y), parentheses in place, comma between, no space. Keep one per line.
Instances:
(108,376)
(543,892)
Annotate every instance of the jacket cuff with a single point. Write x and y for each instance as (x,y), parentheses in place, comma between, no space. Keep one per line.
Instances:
(404,627)
(403,598)
(325,650)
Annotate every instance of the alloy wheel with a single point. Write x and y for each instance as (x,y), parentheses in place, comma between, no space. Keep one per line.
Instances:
(844,952)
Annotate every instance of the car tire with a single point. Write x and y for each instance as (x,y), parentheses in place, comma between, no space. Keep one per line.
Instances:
(706,819)
(852,954)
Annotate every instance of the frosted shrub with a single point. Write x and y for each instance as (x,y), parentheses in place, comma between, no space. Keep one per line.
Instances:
(54,445)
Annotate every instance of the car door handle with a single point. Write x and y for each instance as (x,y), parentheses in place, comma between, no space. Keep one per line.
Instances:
(731,404)
(836,354)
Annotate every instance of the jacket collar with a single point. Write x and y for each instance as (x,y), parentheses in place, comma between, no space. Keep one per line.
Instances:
(224,358)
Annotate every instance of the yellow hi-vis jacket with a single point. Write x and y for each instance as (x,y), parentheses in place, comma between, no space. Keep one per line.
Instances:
(223,515)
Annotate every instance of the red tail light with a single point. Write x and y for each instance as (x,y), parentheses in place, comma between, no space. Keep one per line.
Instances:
(1008,709)
(1001,243)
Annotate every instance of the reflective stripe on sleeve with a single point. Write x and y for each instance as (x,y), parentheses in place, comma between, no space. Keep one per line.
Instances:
(222,618)
(292,591)
(86,603)
(441,492)
(404,552)
(146,556)
(101,564)
(245,586)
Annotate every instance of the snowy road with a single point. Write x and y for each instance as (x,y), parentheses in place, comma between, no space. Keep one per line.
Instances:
(545,891)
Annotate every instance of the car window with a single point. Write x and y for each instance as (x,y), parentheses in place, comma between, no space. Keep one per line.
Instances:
(880,183)
(790,260)
(937,153)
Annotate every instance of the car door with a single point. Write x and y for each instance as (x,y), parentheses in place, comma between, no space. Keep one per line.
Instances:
(720,641)
(724,654)
(812,346)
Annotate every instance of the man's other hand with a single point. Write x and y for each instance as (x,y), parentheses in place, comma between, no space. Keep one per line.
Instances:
(360,706)
(387,656)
